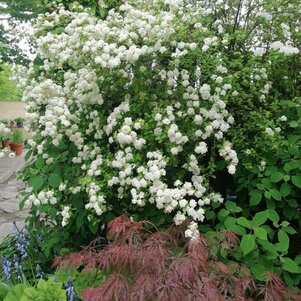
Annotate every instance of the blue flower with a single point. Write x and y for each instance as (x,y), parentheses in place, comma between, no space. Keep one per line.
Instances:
(18,267)
(70,290)
(22,240)
(6,265)
(39,272)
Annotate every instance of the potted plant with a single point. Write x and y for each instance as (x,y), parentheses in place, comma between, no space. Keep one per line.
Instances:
(20,122)
(5,135)
(17,144)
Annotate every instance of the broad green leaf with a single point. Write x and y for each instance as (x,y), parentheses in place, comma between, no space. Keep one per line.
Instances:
(276,194)
(230,221)
(276,176)
(284,240)
(36,182)
(289,265)
(244,222)
(266,183)
(54,180)
(293,203)
(259,271)
(293,164)
(232,207)
(286,178)
(297,181)
(15,293)
(270,204)
(260,218)
(285,189)
(256,197)
(261,233)
(247,244)
(273,216)
(294,124)
(289,212)
(93,227)
(237,229)
(4,289)
(31,294)
(223,213)
(267,245)
(39,163)
(289,230)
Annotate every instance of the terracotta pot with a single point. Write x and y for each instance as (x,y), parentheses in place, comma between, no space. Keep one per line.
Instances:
(17,148)
(6,143)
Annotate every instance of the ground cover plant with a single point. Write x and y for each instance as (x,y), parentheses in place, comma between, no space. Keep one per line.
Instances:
(165,266)
(176,112)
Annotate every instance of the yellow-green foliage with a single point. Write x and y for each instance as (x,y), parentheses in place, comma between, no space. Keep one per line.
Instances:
(8,89)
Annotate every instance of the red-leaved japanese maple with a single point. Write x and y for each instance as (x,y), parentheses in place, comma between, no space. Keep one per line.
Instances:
(164,266)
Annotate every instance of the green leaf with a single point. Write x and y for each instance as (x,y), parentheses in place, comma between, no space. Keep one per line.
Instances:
(297,181)
(267,245)
(276,194)
(276,176)
(28,155)
(237,229)
(261,233)
(15,293)
(293,164)
(232,207)
(273,216)
(256,197)
(260,218)
(31,294)
(289,230)
(285,189)
(222,214)
(259,271)
(93,227)
(244,222)
(39,163)
(286,178)
(230,221)
(54,180)
(247,244)
(284,241)
(36,182)
(4,289)
(289,265)
(294,124)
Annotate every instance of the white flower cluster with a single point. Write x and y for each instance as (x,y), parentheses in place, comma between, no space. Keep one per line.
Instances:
(43,197)
(96,201)
(4,130)
(66,214)
(230,156)
(6,152)
(287,49)
(138,129)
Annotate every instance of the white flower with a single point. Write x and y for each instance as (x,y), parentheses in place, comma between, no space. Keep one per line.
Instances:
(201,148)
(231,169)
(269,131)
(11,155)
(283,118)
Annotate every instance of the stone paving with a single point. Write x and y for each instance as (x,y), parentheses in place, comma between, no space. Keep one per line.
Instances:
(9,200)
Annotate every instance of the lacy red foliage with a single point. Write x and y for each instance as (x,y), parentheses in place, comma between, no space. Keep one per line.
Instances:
(144,266)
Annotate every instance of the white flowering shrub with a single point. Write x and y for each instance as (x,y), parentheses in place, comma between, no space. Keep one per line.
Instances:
(131,113)
(5,132)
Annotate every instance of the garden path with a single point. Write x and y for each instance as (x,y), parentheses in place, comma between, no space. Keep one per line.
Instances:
(9,200)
